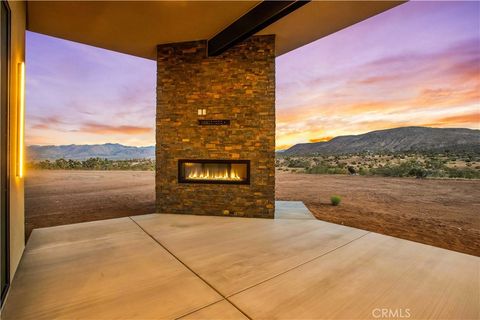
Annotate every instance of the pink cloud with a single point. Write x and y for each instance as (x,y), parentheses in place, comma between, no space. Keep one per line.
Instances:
(96,128)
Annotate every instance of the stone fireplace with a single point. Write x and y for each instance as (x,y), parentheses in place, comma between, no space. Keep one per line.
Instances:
(215,129)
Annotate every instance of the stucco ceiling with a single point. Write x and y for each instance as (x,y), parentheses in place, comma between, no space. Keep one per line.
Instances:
(137,27)
(318,19)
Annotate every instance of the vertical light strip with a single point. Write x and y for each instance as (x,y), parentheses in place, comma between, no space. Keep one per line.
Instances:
(20,117)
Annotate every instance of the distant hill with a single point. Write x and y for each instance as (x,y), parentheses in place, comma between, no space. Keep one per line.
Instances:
(395,140)
(113,151)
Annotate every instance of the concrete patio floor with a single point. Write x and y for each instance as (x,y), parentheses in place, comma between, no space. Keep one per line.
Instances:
(163,266)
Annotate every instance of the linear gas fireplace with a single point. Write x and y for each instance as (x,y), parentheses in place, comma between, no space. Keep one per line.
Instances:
(214,171)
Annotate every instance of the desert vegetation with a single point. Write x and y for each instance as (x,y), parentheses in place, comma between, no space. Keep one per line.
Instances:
(94,164)
(464,165)
(335,200)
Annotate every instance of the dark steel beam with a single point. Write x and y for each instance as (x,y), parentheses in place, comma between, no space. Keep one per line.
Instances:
(262,15)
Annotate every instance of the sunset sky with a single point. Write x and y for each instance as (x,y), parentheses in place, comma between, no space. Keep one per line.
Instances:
(417,64)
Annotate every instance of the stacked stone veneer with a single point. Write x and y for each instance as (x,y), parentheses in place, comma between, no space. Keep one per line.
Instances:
(239,86)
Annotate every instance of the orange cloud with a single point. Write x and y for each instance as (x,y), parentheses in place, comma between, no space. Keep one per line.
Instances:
(377,79)
(446,97)
(41,126)
(106,129)
(46,122)
(372,106)
(322,139)
(466,118)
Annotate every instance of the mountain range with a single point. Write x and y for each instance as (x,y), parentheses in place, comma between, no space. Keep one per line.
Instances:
(395,140)
(390,140)
(113,151)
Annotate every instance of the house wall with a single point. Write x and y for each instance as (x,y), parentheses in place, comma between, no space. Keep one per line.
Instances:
(239,86)
(17,216)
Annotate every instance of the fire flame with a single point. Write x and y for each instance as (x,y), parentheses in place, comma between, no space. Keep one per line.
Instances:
(213,175)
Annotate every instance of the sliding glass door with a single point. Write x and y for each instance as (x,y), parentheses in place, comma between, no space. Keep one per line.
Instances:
(4,176)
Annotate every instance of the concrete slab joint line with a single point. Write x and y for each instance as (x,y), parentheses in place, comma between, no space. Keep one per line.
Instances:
(186,266)
(226,298)
(298,265)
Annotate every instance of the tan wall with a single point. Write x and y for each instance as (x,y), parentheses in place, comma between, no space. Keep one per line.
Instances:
(17,216)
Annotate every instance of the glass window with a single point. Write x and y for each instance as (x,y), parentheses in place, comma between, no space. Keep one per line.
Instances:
(4,63)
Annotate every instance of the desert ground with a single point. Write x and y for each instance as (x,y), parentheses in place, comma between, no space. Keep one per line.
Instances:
(439,212)
(55,197)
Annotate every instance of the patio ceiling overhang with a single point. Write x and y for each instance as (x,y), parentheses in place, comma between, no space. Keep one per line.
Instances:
(136,28)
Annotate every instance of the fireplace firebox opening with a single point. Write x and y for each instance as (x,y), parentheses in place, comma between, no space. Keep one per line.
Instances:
(214,171)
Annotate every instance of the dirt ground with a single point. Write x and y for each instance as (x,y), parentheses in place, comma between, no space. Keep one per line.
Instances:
(443,213)
(56,197)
